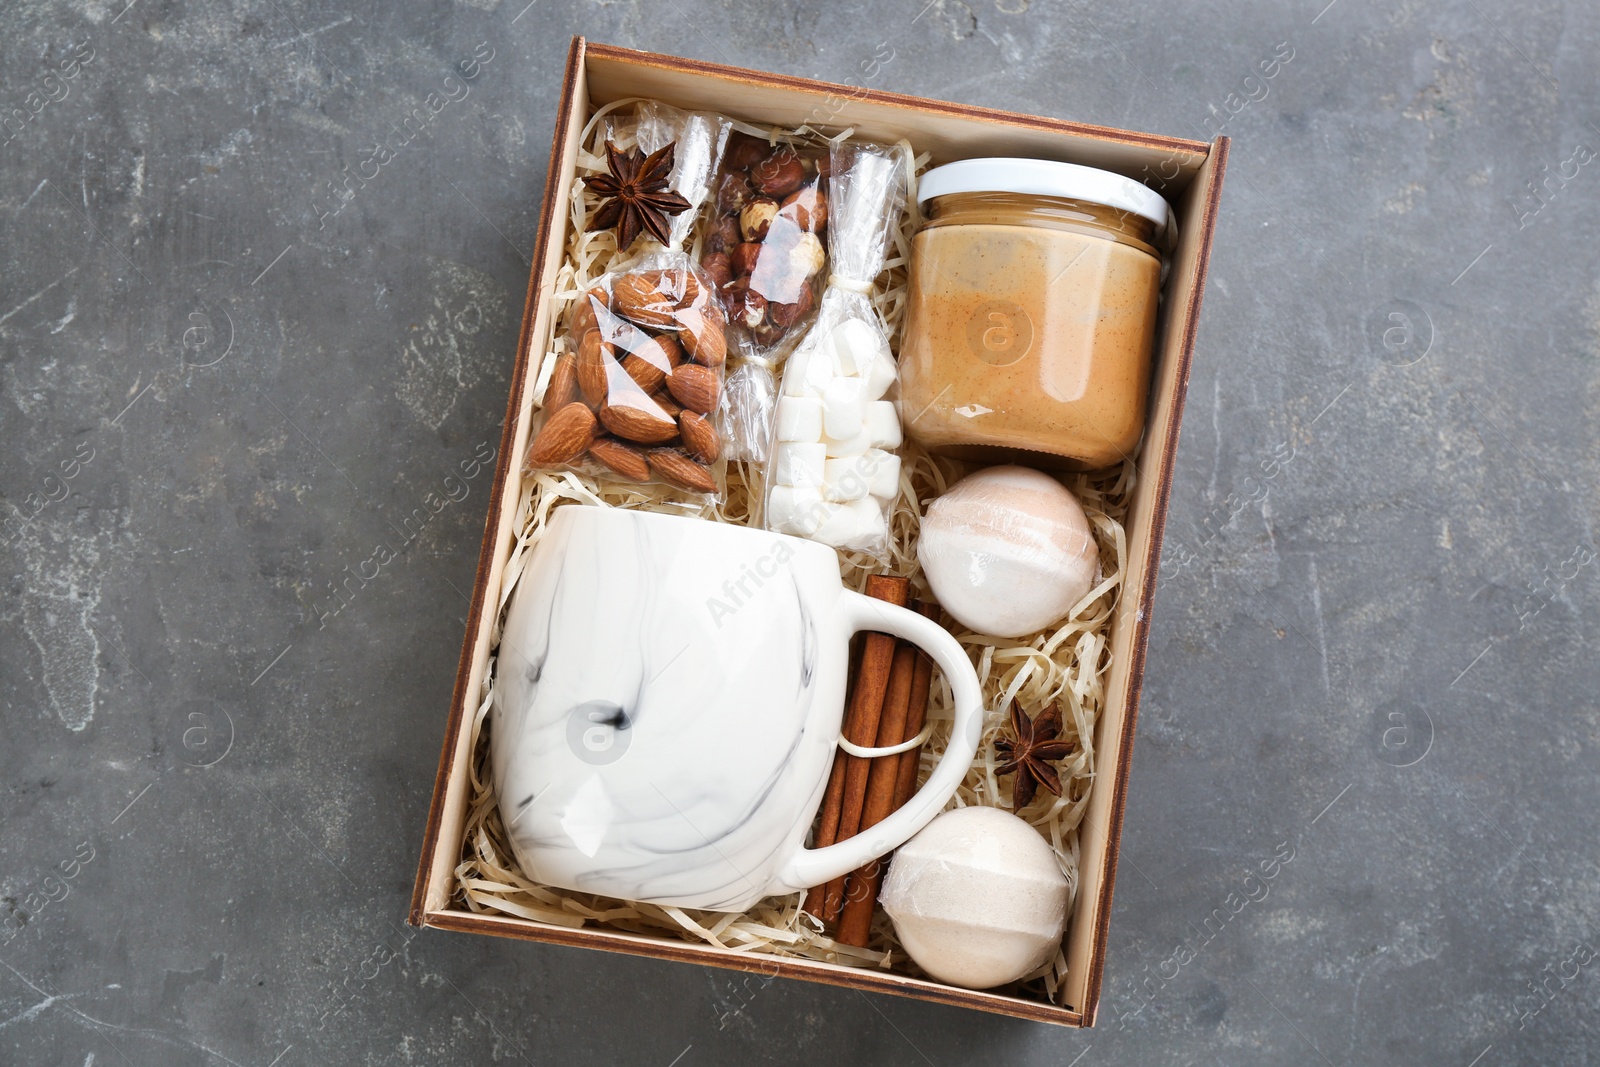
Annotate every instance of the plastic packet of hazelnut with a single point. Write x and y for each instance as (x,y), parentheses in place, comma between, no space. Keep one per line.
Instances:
(765,247)
(634,392)
(834,473)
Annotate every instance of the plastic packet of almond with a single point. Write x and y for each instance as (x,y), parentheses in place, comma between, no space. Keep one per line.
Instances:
(633,391)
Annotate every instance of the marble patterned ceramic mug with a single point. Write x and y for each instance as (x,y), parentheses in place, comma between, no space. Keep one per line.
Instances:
(668,699)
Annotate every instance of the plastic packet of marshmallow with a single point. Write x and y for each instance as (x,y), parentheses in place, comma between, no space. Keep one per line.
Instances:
(833,472)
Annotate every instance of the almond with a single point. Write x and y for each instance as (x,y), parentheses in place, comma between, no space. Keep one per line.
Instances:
(566,435)
(704,337)
(700,438)
(664,400)
(639,297)
(650,361)
(675,468)
(585,312)
(594,365)
(621,458)
(695,387)
(563,387)
(683,284)
(633,421)
(647,374)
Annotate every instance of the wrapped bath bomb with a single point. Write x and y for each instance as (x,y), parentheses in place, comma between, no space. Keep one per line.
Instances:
(977,897)
(1008,551)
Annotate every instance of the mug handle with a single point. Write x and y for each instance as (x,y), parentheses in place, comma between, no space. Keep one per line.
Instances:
(813,866)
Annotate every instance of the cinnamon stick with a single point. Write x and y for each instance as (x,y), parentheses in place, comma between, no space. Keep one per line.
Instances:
(921,686)
(861,728)
(861,890)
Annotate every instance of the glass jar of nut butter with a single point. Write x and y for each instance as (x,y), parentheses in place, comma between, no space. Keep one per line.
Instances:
(1032,312)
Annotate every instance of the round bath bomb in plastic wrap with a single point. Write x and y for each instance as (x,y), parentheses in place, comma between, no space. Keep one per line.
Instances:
(977,897)
(1008,551)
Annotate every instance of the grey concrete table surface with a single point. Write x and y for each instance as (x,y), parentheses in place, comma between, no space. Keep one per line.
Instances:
(223,385)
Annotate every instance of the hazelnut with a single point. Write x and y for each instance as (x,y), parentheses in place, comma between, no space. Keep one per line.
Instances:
(746,308)
(724,235)
(733,192)
(717,268)
(768,333)
(786,315)
(780,173)
(745,151)
(744,256)
(756,217)
(808,207)
(808,256)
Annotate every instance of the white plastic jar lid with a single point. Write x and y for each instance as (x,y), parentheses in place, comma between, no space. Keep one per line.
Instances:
(1043,177)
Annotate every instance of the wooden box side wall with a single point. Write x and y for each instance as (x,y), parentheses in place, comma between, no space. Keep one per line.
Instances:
(448,810)
(946,130)
(1146,524)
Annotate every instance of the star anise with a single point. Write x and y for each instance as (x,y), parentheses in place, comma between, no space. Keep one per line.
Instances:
(1036,742)
(636,194)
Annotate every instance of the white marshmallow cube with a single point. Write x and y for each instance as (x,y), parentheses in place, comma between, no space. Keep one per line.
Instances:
(884,479)
(857,525)
(809,371)
(799,418)
(847,479)
(800,464)
(882,424)
(794,510)
(882,373)
(842,408)
(856,345)
(838,447)
(831,519)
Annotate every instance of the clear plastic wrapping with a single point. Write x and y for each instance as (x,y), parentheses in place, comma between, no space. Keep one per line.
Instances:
(633,392)
(766,248)
(833,472)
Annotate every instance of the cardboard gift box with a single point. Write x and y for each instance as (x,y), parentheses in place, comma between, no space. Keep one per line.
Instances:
(1188,173)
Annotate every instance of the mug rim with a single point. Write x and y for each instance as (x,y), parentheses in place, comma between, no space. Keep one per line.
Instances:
(799,543)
